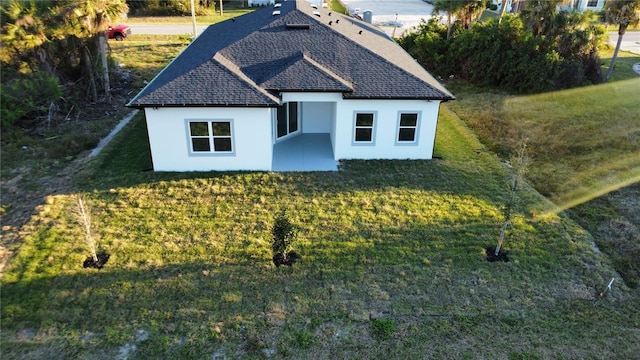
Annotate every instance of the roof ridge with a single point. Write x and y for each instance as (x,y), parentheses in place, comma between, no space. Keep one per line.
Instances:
(327,70)
(235,70)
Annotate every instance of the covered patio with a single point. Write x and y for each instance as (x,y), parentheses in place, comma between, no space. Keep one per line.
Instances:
(304,152)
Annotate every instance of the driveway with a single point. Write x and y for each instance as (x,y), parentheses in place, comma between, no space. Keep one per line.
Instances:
(395,17)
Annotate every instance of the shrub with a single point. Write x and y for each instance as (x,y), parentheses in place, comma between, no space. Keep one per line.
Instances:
(383,329)
(284,234)
(304,339)
(28,96)
(508,55)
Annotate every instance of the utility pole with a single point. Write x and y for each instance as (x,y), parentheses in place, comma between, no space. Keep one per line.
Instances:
(193,19)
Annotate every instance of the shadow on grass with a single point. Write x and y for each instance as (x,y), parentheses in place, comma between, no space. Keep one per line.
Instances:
(126,162)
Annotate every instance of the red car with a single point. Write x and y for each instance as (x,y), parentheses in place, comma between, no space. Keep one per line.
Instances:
(119,32)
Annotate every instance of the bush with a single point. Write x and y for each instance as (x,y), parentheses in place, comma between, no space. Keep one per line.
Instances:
(28,96)
(508,55)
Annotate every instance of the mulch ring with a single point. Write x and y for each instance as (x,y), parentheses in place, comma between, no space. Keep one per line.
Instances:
(492,257)
(91,263)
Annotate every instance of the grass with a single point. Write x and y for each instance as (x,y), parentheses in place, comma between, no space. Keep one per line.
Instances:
(42,160)
(624,64)
(575,153)
(190,273)
(211,18)
(145,55)
(337,5)
(585,145)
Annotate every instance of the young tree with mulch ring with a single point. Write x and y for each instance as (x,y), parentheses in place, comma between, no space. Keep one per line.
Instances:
(284,235)
(83,214)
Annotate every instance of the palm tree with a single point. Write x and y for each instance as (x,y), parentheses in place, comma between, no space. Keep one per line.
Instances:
(25,35)
(539,16)
(623,13)
(470,11)
(451,7)
(92,18)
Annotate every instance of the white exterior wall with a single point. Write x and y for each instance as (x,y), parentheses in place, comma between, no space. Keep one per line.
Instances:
(252,132)
(583,5)
(317,117)
(385,129)
(341,125)
(169,140)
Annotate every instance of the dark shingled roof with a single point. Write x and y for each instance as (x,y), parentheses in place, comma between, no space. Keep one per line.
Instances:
(249,60)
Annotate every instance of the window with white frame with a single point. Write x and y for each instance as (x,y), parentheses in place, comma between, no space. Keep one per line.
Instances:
(408,128)
(592,3)
(364,128)
(210,136)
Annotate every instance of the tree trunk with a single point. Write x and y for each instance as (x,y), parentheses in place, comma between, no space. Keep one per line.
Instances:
(221,10)
(193,19)
(102,40)
(621,31)
(92,81)
(502,233)
(45,63)
(503,9)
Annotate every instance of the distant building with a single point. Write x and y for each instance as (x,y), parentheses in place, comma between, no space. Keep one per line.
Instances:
(253,3)
(515,6)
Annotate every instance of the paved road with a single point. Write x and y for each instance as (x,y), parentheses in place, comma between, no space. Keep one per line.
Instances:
(398,14)
(158,29)
(403,14)
(630,41)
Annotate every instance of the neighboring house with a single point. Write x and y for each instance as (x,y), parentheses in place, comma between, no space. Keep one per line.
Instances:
(515,6)
(289,87)
(584,5)
(253,3)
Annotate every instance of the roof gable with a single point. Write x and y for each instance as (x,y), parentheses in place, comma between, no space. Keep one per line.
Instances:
(299,73)
(262,54)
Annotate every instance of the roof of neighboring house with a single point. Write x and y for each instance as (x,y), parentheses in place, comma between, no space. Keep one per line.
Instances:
(249,60)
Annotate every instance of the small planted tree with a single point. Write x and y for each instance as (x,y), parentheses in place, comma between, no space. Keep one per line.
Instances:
(284,234)
(519,162)
(83,214)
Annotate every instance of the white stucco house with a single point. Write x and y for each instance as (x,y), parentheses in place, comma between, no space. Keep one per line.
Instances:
(289,87)
(252,3)
(584,5)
